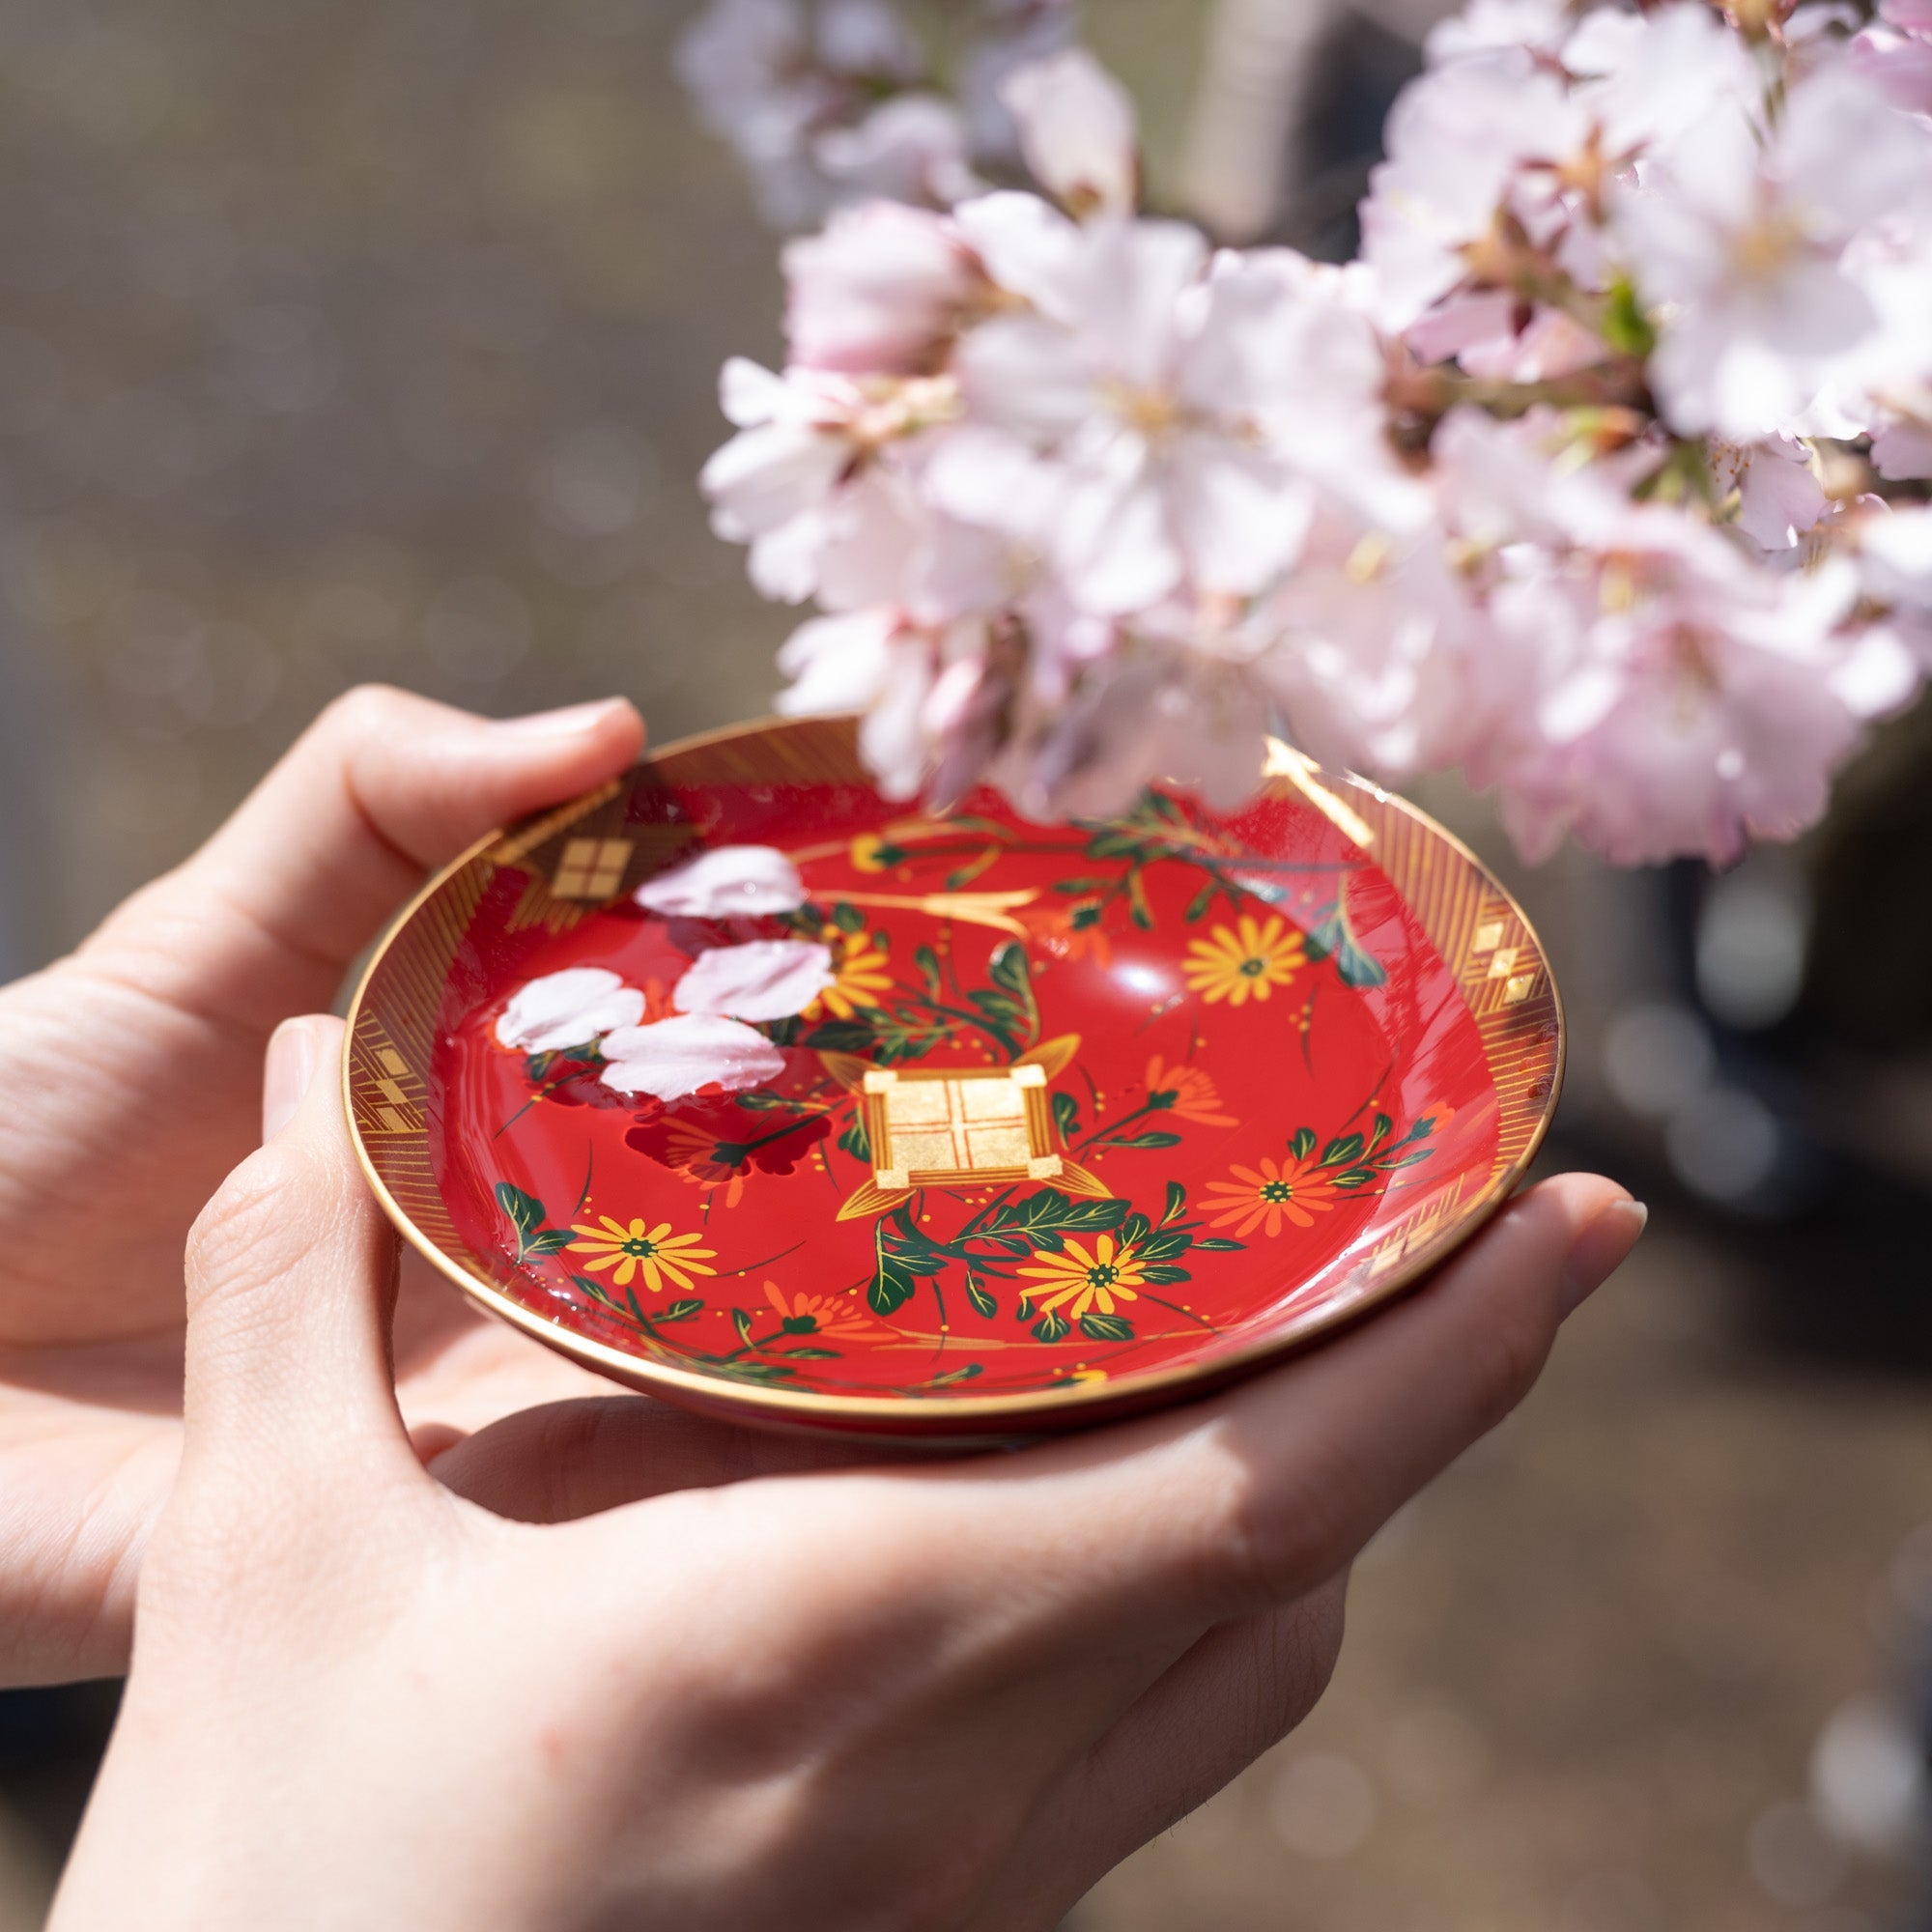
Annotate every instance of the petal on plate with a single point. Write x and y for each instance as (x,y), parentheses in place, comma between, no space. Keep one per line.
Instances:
(725,882)
(765,979)
(676,1057)
(567,1008)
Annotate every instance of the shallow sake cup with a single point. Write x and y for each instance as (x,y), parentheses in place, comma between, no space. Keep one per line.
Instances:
(757,1091)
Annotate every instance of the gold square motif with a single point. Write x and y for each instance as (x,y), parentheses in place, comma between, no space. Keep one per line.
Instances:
(591,869)
(965,1125)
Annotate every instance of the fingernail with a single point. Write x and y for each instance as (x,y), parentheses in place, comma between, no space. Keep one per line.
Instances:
(286,1074)
(573,721)
(1601,1250)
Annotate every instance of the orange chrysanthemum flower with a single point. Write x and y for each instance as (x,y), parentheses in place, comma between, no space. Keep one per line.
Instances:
(1296,1192)
(1196,1097)
(832,1314)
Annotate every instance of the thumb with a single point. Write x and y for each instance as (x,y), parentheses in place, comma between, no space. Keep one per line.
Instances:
(291,1290)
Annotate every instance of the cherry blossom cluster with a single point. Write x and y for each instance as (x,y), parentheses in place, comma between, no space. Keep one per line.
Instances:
(847,98)
(1602,474)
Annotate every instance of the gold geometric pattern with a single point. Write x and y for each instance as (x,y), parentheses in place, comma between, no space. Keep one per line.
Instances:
(929,1129)
(591,869)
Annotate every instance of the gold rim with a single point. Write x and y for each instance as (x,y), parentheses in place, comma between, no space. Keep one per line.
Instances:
(932,1418)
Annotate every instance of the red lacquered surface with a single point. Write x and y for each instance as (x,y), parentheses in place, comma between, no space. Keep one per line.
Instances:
(1273,1066)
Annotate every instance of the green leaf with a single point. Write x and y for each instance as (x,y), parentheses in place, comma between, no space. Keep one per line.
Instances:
(1106,1329)
(893,1282)
(1084,918)
(1382,1128)
(810,1354)
(1176,1202)
(983,1303)
(1163,1247)
(1219,1244)
(1356,1176)
(799,1324)
(1009,970)
(953,1375)
(856,1140)
(1625,326)
(928,962)
(525,1211)
(681,1311)
(742,1321)
(1051,1214)
(1355,966)
(1066,1115)
(765,1103)
(853,1035)
(1303,1143)
(848,918)
(760,1372)
(1156,1137)
(1390,1162)
(1023,1308)
(1051,1329)
(1163,1272)
(1197,907)
(1117,844)
(1001,1008)
(1074,887)
(553,1240)
(1344,1151)
(1135,1230)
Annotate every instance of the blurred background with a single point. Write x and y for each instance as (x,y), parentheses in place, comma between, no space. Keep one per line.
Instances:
(347,339)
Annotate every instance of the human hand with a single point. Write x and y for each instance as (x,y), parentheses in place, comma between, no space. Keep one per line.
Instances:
(925,1698)
(130,1083)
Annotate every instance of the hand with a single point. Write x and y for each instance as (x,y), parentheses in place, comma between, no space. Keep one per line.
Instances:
(933,1698)
(131,1084)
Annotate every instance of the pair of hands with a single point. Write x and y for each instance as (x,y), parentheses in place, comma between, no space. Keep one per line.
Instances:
(604,1664)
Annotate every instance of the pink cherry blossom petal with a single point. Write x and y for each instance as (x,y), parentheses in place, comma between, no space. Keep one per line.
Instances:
(764,980)
(725,882)
(568,1009)
(677,1057)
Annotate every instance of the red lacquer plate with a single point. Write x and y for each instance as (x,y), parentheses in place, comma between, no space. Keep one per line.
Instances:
(755,1091)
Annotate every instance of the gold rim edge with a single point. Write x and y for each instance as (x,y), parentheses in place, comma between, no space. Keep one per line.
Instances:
(717,1392)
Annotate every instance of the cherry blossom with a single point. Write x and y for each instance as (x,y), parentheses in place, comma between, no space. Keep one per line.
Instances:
(569,1009)
(1685,702)
(762,980)
(880,291)
(797,479)
(1896,55)
(1739,235)
(725,882)
(673,1057)
(1078,131)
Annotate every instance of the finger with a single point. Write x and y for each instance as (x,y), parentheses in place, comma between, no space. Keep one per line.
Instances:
(382,787)
(291,1280)
(1248,1501)
(568,1459)
(1236,1693)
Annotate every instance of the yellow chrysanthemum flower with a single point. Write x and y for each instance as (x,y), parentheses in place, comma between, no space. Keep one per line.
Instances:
(1105,1276)
(655,1253)
(861,972)
(1244,961)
